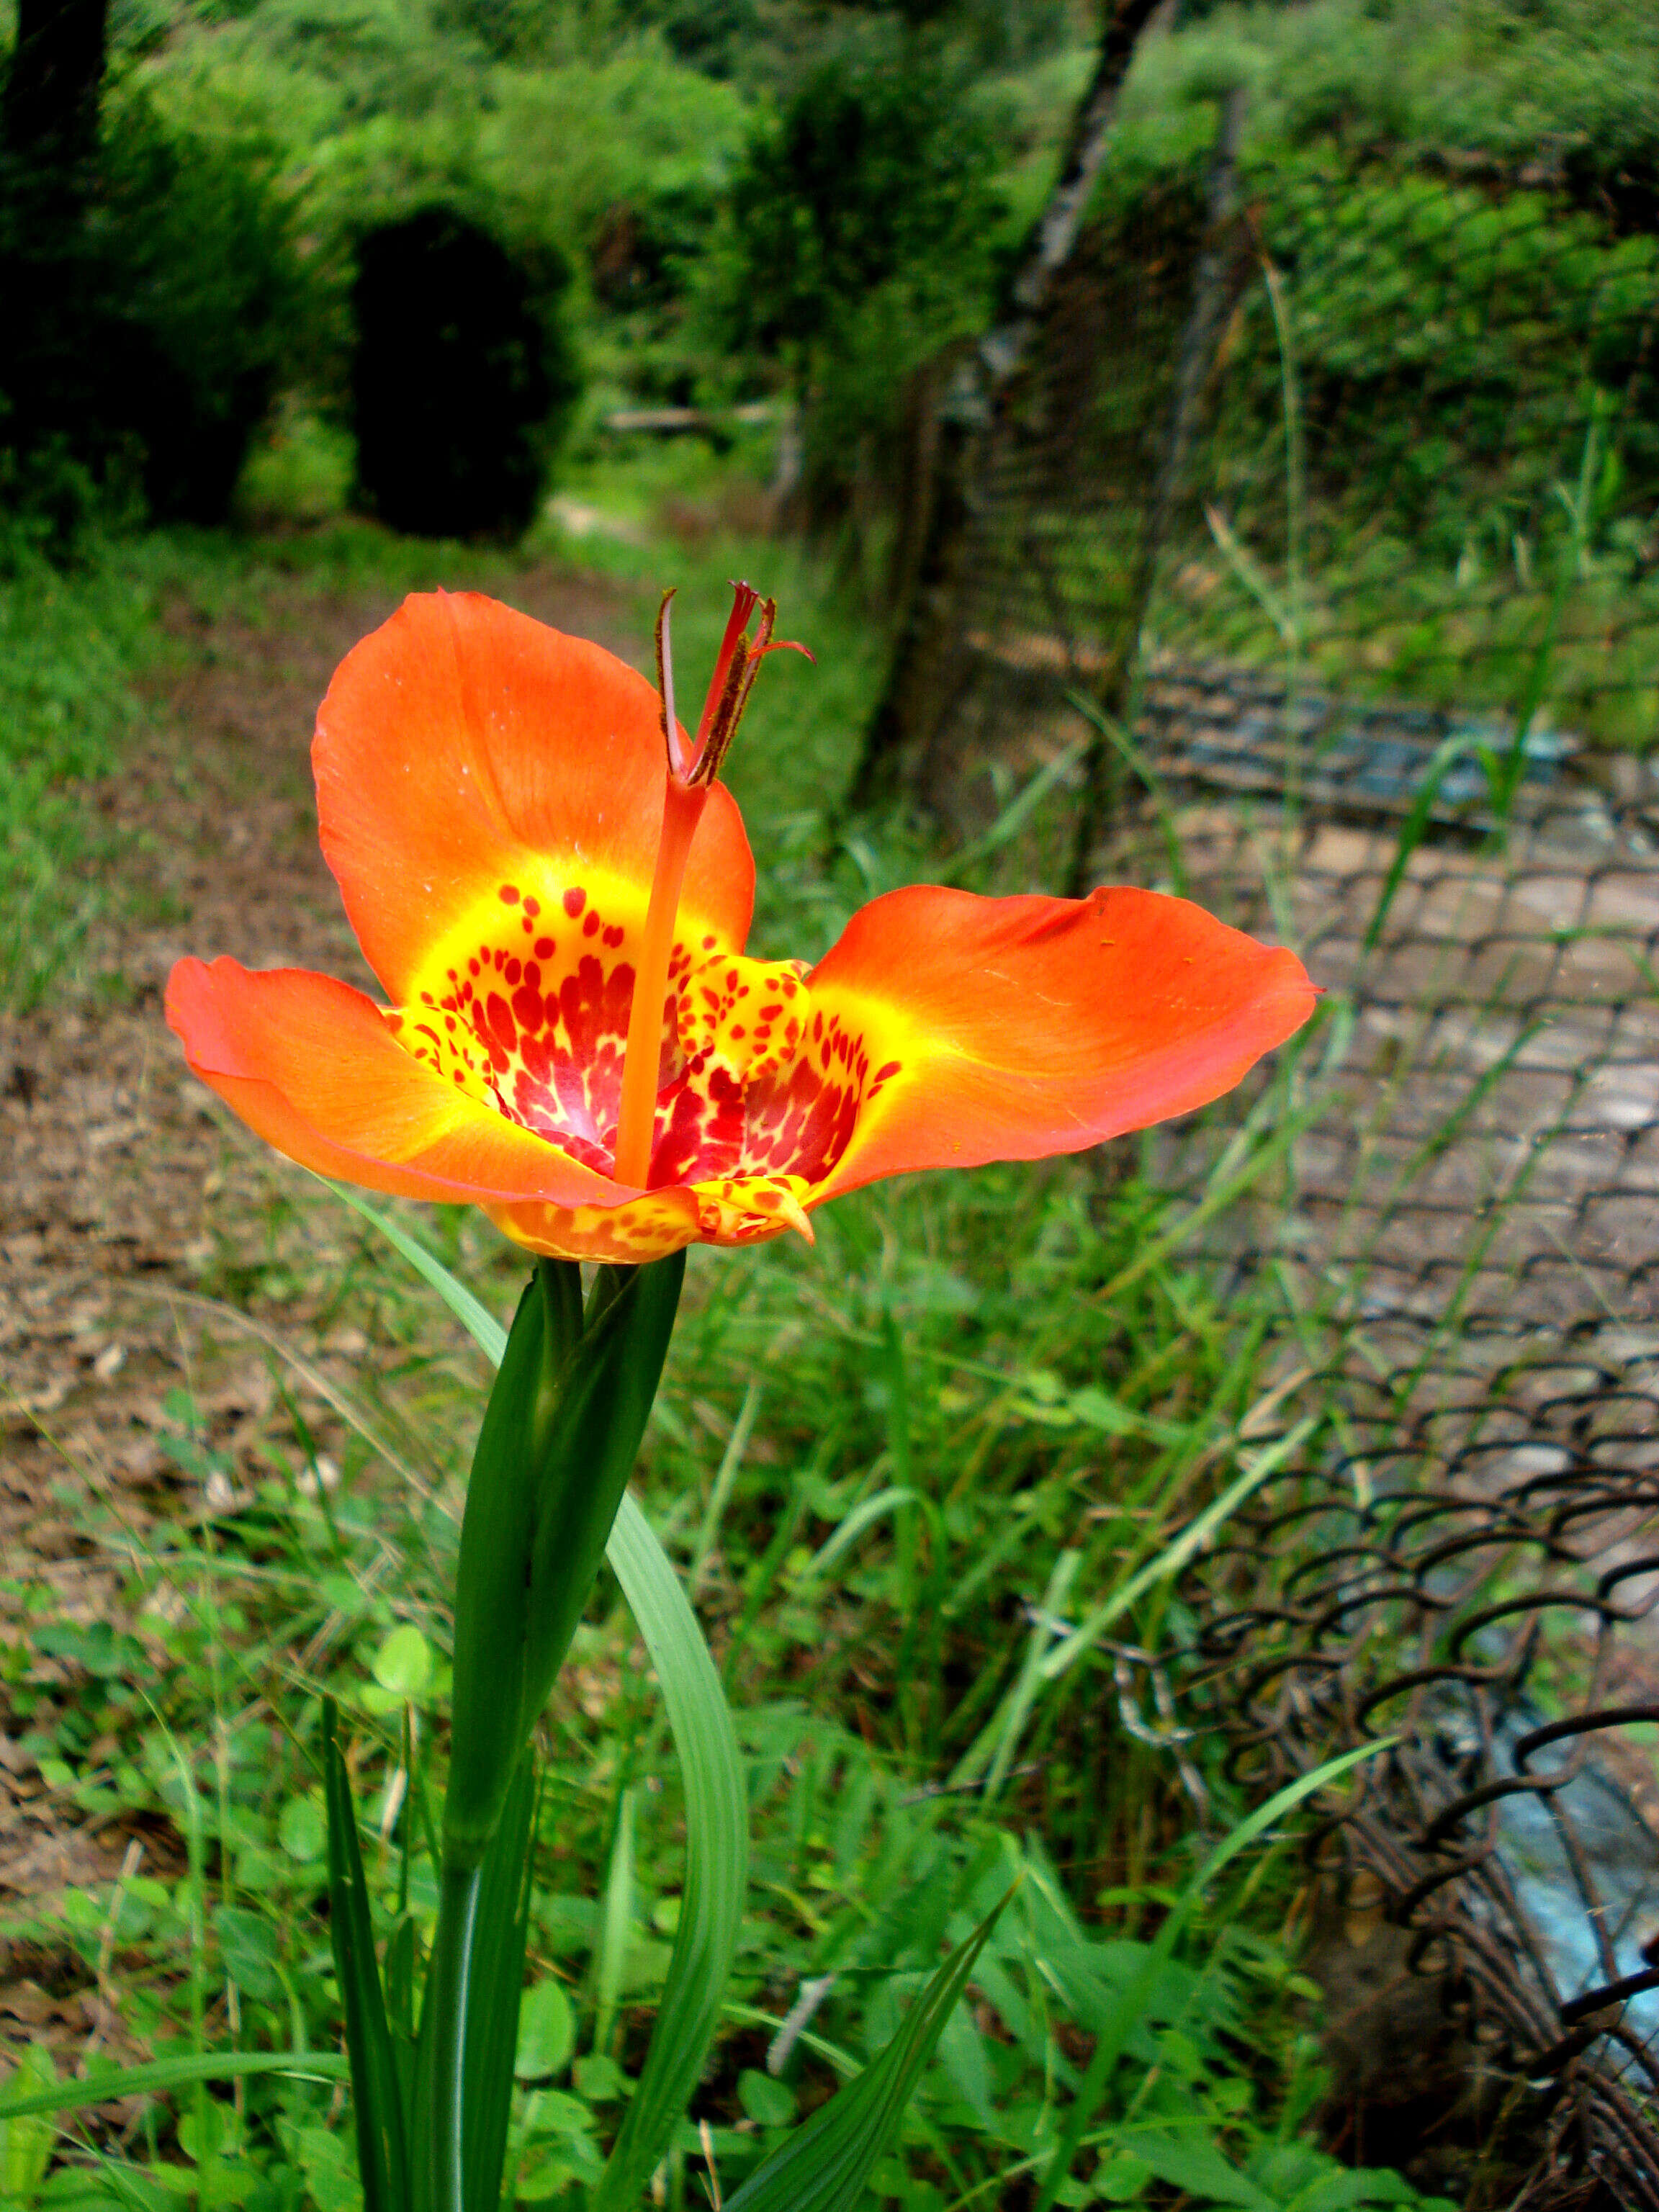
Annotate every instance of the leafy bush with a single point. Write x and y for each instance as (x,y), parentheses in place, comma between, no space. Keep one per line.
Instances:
(874,178)
(864,218)
(208,289)
(151,305)
(461,377)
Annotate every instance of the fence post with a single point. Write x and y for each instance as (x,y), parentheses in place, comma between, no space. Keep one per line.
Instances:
(1198,342)
(911,706)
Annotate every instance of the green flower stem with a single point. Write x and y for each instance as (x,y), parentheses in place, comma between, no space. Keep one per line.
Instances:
(560,1435)
(446,2001)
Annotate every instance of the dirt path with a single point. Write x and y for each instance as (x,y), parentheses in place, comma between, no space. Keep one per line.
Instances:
(119,1180)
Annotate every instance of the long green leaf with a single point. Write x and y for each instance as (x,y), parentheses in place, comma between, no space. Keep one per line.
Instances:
(106,2083)
(826,2165)
(716,1857)
(559,1438)
(1174,1556)
(1414,829)
(716,1802)
(376,2098)
(495,1988)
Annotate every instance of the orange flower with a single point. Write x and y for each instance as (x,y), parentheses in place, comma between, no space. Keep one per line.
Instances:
(493,802)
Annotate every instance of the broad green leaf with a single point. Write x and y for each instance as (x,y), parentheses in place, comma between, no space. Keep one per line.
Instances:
(826,2165)
(403,1664)
(377,2102)
(1199,2169)
(717,1831)
(302,1831)
(25,2138)
(547,2033)
(769,2103)
(716,1857)
(615,1924)
(495,1989)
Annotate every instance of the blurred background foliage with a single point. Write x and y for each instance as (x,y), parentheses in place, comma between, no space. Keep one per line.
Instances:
(761,201)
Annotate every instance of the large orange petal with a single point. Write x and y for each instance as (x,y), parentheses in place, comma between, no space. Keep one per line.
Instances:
(1010,1028)
(313,1067)
(463,747)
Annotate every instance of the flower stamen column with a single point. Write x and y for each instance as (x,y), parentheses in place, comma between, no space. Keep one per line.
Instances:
(690,776)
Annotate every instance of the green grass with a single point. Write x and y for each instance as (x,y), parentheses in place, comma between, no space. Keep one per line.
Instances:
(896,1470)
(947,1343)
(71,649)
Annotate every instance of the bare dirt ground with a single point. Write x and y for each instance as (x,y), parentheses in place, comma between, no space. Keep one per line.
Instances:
(119,1178)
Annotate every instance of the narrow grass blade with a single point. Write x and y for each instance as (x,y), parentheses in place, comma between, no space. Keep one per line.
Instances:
(1138,764)
(1018,811)
(1174,1556)
(616,1926)
(1017,1711)
(494,1987)
(1253,577)
(1047,1660)
(377,2103)
(826,2165)
(475,1318)
(721,1493)
(716,1857)
(104,2084)
(1118,2028)
(862,1516)
(1413,830)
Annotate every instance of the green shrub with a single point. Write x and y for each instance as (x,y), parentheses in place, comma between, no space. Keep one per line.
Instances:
(151,303)
(864,222)
(462,375)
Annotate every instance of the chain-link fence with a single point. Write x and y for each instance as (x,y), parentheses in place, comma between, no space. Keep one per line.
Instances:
(1397,431)
(1471,1593)
(1316,553)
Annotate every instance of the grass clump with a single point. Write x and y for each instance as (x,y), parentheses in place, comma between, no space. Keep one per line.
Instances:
(70,646)
(881,1469)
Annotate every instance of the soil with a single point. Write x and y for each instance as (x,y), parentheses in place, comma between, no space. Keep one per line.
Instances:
(121,1178)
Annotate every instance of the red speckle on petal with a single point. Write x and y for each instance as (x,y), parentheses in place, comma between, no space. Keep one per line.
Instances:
(543,948)
(575,899)
(509,894)
(501,1020)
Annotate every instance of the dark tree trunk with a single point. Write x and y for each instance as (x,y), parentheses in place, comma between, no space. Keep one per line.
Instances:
(52,93)
(920,681)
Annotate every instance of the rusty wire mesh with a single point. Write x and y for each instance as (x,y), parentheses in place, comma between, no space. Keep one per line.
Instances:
(1373,679)
(1422,455)
(1474,1589)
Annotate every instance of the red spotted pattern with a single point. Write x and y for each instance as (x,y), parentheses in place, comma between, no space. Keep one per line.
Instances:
(752,1082)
